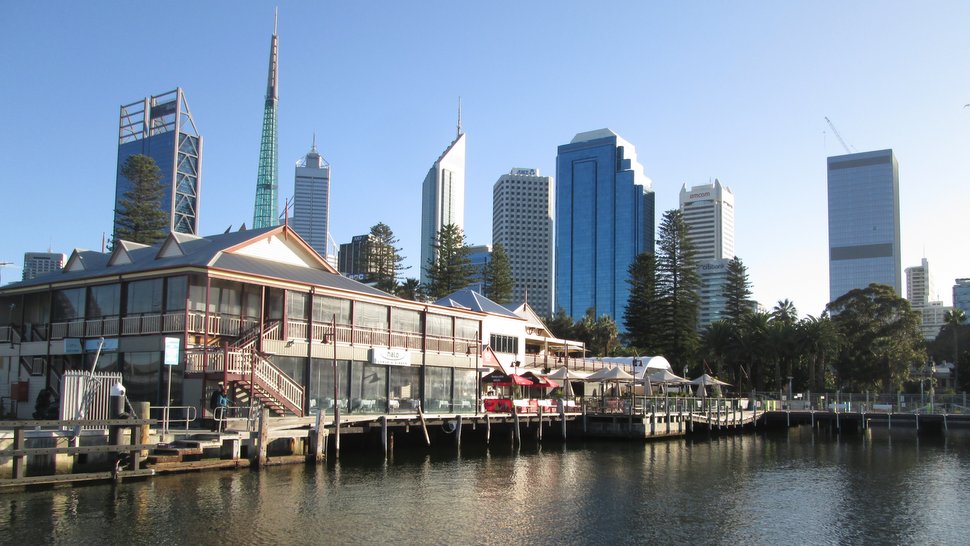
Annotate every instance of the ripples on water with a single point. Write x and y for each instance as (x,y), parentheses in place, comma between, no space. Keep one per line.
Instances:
(799,486)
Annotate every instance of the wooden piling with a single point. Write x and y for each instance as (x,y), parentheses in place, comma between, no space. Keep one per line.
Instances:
(262,444)
(488,429)
(318,433)
(516,432)
(383,420)
(424,426)
(19,461)
(539,431)
(562,421)
(458,431)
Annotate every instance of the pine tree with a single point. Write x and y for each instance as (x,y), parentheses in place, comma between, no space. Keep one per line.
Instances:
(383,258)
(498,276)
(678,282)
(140,218)
(449,269)
(737,291)
(410,289)
(643,309)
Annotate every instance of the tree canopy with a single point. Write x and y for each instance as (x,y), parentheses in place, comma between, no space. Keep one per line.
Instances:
(498,276)
(678,283)
(644,307)
(140,218)
(384,259)
(449,269)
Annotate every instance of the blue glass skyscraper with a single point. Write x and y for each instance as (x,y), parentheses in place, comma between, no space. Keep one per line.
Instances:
(604,219)
(863,193)
(162,128)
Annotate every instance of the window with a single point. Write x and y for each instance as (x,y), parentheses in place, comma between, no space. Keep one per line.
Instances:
(175,288)
(369,315)
(504,344)
(104,301)
(144,297)
(324,309)
(439,325)
(68,304)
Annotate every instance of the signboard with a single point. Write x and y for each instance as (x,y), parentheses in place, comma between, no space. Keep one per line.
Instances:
(110,344)
(390,357)
(72,346)
(171,351)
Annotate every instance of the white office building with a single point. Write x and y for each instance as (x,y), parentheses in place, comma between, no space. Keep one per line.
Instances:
(523,202)
(919,284)
(311,202)
(709,214)
(443,196)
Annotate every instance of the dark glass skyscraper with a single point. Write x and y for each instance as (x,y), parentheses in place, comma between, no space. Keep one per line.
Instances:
(162,128)
(604,219)
(863,193)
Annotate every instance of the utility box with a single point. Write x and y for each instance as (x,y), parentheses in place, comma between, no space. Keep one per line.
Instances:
(20,391)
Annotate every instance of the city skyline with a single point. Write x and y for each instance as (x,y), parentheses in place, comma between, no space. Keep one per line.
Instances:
(736,93)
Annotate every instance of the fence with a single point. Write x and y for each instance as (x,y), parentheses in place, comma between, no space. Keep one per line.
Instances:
(75,386)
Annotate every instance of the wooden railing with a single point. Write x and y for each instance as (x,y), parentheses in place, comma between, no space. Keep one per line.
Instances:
(377,337)
(240,362)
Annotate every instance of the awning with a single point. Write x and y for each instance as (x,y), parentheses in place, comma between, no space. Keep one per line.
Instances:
(499,379)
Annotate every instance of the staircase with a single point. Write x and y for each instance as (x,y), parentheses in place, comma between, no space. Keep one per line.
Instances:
(248,372)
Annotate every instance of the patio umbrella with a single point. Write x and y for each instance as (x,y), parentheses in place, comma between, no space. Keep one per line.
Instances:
(703,381)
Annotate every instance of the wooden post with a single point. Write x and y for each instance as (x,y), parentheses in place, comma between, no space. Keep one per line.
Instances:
(539,431)
(584,416)
(19,461)
(488,429)
(383,420)
(424,426)
(142,410)
(516,432)
(318,433)
(136,454)
(562,421)
(263,440)
(458,432)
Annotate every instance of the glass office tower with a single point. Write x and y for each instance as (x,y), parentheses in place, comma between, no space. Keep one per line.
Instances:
(162,128)
(311,200)
(863,191)
(604,219)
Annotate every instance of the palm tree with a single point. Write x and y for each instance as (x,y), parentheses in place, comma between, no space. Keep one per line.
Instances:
(820,340)
(953,319)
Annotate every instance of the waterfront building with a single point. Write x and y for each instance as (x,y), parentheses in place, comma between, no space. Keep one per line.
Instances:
(162,128)
(919,284)
(352,260)
(604,219)
(311,201)
(266,210)
(443,196)
(244,306)
(709,214)
(479,256)
(863,212)
(961,295)
(41,263)
(523,205)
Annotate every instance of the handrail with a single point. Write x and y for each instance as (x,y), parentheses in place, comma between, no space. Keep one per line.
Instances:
(278,381)
(191,414)
(241,362)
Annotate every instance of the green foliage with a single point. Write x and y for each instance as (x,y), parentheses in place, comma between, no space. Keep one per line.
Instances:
(881,338)
(561,324)
(599,334)
(498,276)
(383,258)
(678,283)
(140,217)
(737,291)
(449,269)
(642,316)
(409,289)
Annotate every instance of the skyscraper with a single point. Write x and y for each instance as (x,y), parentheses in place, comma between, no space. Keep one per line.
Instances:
(604,219)
(961,295)
(161,127)
(311,200)
(266,212)
(863,192)
(443,196)
(919,284)
(709,214)
(352,258)
(523,204)
(41,263)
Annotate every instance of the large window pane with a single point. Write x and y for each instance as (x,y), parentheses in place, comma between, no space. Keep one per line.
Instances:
(324,309)
(373,389)
(225,297)
(175,293)
(142,376)
(252,295)
(439,325)
(296,305)
(437,389)
(104,301)
(369,315)
(68,304)
(466,328)
(405,388)
(321,384)
(405,320)
(144,297)
(466,390)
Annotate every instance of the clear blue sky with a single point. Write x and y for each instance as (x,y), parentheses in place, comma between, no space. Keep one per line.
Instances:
(732,90)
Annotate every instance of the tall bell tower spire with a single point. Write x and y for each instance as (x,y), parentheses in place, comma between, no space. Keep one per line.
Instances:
(266,212)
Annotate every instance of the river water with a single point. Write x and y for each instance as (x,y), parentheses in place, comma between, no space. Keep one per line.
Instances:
(797,486)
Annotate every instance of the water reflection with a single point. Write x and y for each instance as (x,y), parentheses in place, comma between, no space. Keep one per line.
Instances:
(800,485)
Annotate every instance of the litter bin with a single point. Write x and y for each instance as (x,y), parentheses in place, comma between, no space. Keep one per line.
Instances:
(117,405)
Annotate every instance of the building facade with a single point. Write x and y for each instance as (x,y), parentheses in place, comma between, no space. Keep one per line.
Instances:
(41,263)
(479,256)
(919,284)
(162,127)
(352,258)
(604,219)
(932,318)
(709,214)
(523,208)
(961,295)
(257,312)
(311,201)
(863,213)
(443,197)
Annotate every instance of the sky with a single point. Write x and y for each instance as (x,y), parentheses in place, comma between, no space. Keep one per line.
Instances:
(737,91)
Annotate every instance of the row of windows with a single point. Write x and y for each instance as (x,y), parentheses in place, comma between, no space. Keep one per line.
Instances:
(504,344)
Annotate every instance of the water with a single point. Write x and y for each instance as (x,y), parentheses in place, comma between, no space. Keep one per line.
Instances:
(798,486)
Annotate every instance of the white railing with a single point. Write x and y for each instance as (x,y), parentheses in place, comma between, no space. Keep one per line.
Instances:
(283,384)
(9,334)
(240,362)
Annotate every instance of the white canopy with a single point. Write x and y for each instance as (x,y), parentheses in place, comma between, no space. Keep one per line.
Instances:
(651,365)
(565,373)
(666,376)
(706,380)
(609,374)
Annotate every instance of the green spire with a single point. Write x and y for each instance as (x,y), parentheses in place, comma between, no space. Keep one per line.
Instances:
(266,213)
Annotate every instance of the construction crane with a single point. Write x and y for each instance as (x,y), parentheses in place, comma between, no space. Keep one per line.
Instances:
(838,136)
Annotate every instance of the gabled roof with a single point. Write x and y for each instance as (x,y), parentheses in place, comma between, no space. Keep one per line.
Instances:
(533,320)
(466,298)
(276,252)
